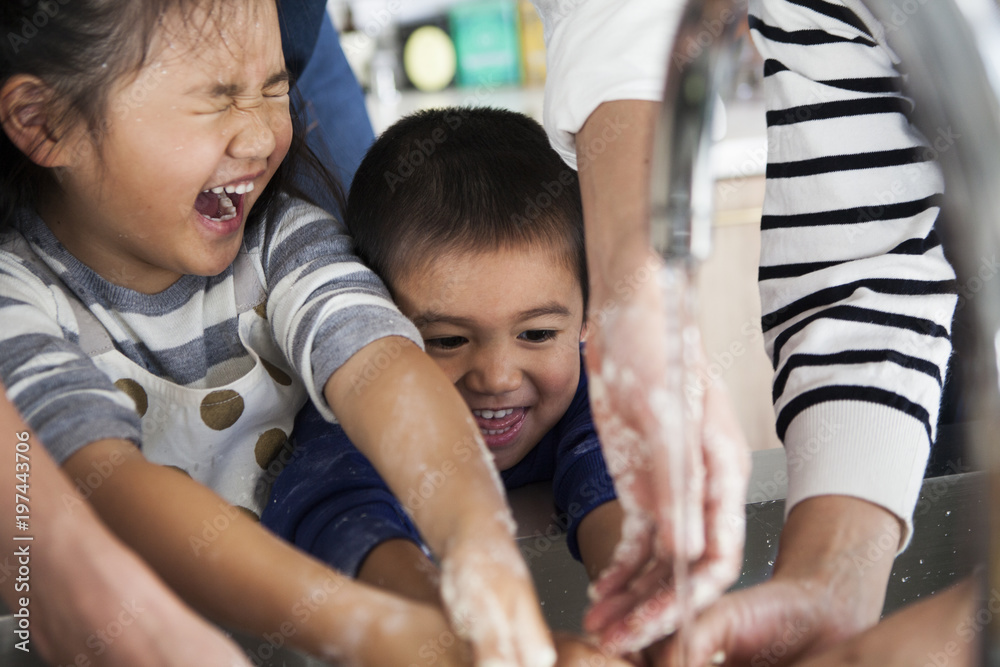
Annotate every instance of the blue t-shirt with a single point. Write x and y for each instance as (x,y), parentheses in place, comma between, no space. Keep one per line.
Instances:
(330,502)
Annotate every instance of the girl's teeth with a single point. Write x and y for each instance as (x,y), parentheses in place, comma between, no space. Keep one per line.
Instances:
(240,189)
(493,432)
(493,414)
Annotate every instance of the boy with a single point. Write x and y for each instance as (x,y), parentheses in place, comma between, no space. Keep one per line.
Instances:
(476,225)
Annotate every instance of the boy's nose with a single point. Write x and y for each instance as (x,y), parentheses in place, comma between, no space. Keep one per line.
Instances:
(493,374)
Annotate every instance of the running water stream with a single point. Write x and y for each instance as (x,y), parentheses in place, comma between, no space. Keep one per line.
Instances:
(681,411)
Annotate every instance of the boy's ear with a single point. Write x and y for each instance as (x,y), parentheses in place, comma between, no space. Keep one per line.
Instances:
(26,115)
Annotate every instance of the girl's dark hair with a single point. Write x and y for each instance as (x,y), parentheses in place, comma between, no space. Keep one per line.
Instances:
(79,49)
(463,180)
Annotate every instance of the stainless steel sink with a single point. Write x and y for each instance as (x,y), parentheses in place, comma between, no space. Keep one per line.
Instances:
(942,551)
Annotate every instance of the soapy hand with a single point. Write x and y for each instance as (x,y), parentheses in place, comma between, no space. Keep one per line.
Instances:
(827,587)
(490,599)
(653,404)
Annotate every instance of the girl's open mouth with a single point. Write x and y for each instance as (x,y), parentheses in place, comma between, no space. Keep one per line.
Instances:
(222,203)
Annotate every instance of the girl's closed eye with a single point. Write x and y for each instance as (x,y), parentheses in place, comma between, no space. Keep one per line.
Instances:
(445,342)
(538,335)
(278,91)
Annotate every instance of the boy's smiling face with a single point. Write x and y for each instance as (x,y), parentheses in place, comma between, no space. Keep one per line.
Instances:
(505,326)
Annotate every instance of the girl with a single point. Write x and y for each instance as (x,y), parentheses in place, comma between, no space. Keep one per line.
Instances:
(169,305)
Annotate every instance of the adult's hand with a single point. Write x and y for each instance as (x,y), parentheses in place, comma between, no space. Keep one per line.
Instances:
(940,630)
(829,585)
(636,598)
(634,376)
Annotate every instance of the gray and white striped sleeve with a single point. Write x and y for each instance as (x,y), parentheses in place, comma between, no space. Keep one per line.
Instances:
(856,292)
(58,390)
(324,305)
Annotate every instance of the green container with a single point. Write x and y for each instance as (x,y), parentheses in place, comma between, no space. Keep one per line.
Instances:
(486,42)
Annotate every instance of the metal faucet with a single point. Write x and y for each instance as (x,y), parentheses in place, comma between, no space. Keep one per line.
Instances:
(951,52)
(700,70)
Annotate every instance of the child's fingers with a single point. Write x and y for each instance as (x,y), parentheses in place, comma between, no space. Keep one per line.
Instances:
(491,602)
(535,645)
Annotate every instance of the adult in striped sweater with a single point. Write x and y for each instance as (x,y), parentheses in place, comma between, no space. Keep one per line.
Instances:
(857,295)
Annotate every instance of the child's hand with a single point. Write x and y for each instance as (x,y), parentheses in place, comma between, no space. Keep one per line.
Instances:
(412,424)
(631,370)
(488,593)
(408,633)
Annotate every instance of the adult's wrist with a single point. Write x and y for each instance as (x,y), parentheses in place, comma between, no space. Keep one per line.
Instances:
(618,272)
(845,546)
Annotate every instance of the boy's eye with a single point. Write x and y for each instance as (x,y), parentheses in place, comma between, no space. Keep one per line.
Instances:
(445,342)
(538,335)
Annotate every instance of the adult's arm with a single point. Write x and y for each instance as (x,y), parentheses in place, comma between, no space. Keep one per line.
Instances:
(606,76)
(826,431)
(858,299)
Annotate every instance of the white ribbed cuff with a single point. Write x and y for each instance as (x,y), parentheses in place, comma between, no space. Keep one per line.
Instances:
(864,450)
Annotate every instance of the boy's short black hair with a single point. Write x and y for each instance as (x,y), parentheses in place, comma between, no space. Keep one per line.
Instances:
(463,180)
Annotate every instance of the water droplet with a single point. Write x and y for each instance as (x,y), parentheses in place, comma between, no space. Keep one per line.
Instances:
(904,579)
(948,513)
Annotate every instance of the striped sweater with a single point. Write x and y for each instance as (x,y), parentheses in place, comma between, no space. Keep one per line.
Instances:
(856,292)
(323,305)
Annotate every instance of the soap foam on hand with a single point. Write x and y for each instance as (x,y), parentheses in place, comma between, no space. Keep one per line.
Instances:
(501,636)
(645,424)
